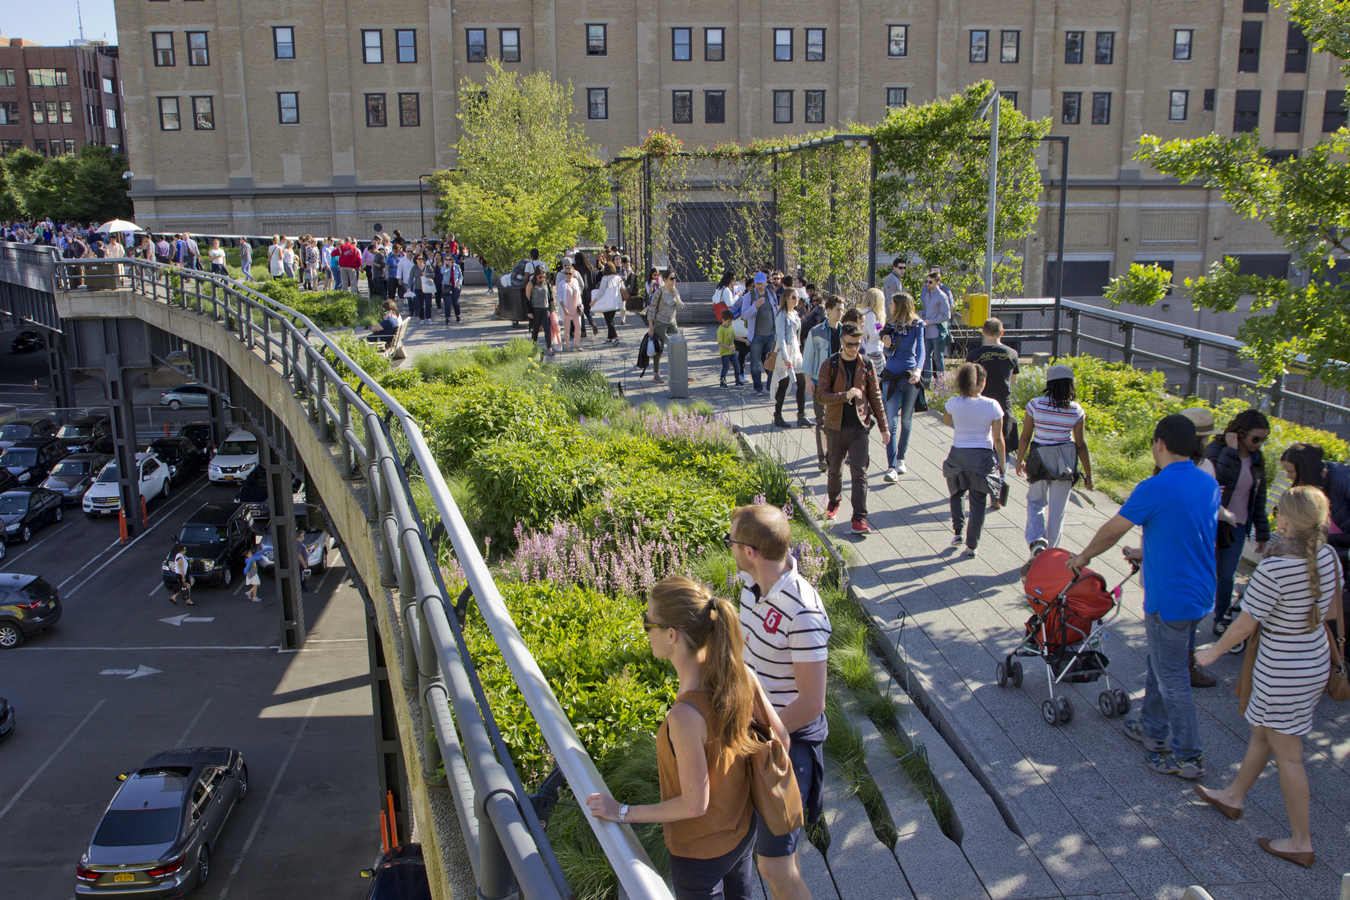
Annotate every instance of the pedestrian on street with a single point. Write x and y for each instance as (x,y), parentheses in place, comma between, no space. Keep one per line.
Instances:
(1241,470)
(821,343)
(184,581)
(661,314)
(759,309)
(589,277)
(251,578)
(787,344)
(846,386)
(610,298)
(217,257)
(1052,444)
(938,303)
(901,377)
(452,282)
(874,318)
(541,304)
(246,258)
(1178,510)
(895,278)
(1001,368)
(978,462)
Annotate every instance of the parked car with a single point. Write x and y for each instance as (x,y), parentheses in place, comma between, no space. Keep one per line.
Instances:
(181,455)
(155,837)
(25,510)
(28,604)
(25,428)
(87,434)
(104,498)
(6,717)
(73,475)
(193,395)
(317,541)
(31,460)
(27,342)
(254,490)
(400,874)
(200,435)
(235,459)
(215,539)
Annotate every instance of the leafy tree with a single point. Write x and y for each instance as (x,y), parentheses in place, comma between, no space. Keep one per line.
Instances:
(932,195)
(86,188)
(526,176)
(1143,285)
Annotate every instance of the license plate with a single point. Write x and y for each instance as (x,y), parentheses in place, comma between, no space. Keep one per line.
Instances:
(124,876)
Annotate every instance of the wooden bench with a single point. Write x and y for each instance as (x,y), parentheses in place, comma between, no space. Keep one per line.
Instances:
(393,349)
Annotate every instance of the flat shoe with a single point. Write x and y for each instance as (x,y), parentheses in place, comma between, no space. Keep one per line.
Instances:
(1232,812)
(1303,859)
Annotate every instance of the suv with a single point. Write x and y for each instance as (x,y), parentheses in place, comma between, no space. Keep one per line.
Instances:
(28,604)
(181,454)
(235,459)
(74,474)
(31,460)
(316,540)
(200,435)
(216,539)
(104,498)
(87,434)
(25,428)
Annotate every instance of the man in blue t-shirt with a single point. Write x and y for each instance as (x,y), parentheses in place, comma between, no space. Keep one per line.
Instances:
(1178,510)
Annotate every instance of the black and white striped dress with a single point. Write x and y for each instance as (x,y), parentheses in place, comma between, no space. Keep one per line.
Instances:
(1292,664)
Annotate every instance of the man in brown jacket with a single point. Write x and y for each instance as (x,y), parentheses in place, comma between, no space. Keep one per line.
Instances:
(846,386)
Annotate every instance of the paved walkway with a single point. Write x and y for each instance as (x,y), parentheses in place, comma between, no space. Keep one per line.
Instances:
(1094,821)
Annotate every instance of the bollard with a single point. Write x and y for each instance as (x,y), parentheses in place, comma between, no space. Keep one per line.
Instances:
(677,366)
(166,429)
(121,526)
(145,519)
(1040,359)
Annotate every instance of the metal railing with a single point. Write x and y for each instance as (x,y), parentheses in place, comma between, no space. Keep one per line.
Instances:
(501,830)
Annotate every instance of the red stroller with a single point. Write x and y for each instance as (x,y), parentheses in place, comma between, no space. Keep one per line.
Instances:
(1069,615)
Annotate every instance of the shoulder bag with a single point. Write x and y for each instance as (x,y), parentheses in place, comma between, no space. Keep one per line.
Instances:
(770,360)
(1338,685)
(773,784)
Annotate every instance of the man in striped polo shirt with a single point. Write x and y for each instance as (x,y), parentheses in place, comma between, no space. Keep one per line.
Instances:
(786,632)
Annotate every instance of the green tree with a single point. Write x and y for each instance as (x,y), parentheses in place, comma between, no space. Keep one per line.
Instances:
(1143,285)
(87,188)
(932,197)
(526,176)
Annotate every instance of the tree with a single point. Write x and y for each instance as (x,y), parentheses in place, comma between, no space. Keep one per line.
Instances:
(87,188)
(932,197)
(526,176)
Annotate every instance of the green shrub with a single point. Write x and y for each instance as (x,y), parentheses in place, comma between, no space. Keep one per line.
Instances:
(585,391)
(363,353)
(481,413)
(326,309)
(400,379)
(650,503)
(770,478)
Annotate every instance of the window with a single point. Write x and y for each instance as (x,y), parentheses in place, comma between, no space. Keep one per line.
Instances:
(1176,105)
(510,44)
(597,103)
(1106,48)
(1255,6)
(109,115)
(815,45)
(376,116)
(1073,47)
(67,114)
(405,44)
(108,86)
(1209,99)
(896,97)
(1333,113)
(57,77)
(1101,108)
(681,40)
(288,108)
(1010,43)
(682,107)
(1073,107)
(70,148)
(91,114)
(1246,111)
(1296,50)
(409,110)
(9,146)
(168,114)
(715,107)
(897,43)
(1181,43)
(815,106)
(39,114)
(372,46)
(1288,112)
(283,43)
(476,39)
(197,52)
(41,147)
(203,114)
(782,107)
(52,117)
(979,46)
(6,78)
(597,42)
(9,112)
(1010,96)
(162,44)
(782,45)
(714,44)
(1249,47)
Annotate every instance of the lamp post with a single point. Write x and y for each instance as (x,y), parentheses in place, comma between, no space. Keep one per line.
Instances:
(990,107)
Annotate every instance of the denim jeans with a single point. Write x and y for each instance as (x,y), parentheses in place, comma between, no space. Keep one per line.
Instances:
(1227,562)
(899,406)
(935,354)
(1168,700)
(733,362)
(452,300)
(759,348)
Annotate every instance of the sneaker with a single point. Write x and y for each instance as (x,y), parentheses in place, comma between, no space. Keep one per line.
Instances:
(1168,763)
(824,466)
(723,385)
(900,466)
(860,526)
(956,538)
(891,475)
(832,511)
(971,553)
(1134,730)
(1038,547)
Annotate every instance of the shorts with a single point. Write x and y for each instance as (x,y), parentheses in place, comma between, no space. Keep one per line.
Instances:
(730,876)
(808,763)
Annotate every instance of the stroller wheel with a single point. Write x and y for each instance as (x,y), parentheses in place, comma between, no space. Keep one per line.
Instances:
(1220,626)
(1050,713)
(1107,704)
(1122,702)
(1017,673)
(1001,675)
(1240,648)
(1065,711)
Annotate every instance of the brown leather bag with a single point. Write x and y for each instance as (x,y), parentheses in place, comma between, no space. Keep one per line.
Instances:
(1243,690)
(770,360)
(773,784)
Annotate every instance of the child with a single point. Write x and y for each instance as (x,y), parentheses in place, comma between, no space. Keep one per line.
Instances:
(726,348)
(251,570)
(742,334)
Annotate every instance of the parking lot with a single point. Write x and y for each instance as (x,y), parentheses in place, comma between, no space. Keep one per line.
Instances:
(123,676)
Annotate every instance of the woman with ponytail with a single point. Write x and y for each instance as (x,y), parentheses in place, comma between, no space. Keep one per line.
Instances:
(701,747)
(1289,595)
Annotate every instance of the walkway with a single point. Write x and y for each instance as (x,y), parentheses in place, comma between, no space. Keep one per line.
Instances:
(1094,820)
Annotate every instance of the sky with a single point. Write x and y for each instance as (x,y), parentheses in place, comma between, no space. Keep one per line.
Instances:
(55,22)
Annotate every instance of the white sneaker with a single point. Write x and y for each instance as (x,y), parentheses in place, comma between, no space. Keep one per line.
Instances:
(891,475)
(900,467)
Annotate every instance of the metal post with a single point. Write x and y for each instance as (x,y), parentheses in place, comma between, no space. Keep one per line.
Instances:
(124,441)
(289,566)
(1075,329)
(1193,370)
(872,219)
(421,206)
(1277,395)
(647,213)
(1059,257)
(344,422)
(1128,349)
(993,197)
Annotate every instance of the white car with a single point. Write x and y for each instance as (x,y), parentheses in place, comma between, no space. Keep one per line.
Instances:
(235,458)
(104,498)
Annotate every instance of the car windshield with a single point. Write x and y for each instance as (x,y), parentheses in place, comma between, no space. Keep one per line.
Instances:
(75,431)
(16,457)
(13,504)
(72,468)
(38,587)
(137,827)
(15,432)
(239,448)
(201,534)
(108,475)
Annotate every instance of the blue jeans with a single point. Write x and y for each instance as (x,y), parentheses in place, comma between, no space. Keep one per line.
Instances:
(935,353)
(1168,700)
(759,348)
(1227,562)
(899,405)
(451,299)
(733,362)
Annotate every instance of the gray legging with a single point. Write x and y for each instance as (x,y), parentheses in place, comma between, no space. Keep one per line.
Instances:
(663,332)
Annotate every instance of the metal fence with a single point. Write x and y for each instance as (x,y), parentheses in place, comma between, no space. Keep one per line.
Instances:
(505,840)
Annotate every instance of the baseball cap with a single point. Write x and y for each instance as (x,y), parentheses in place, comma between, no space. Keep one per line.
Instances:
(1058,371)
(761,278)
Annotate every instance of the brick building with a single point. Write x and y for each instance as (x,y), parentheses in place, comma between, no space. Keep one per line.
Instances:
(57,99)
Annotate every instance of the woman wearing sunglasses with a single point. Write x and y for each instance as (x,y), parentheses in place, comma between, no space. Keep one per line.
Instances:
(701,747)
(1241,470)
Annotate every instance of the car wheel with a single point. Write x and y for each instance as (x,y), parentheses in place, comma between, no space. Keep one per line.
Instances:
(243,784)
(60,512)
(3,549)
(228,578)
(25,535)
(174,404)
(203,866)
(164,494)
(11,635)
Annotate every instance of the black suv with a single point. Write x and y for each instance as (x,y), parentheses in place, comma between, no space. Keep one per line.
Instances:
(181,454)
(216,539)
(28,604)
(31,460)
(26,428)
(400,874)
(87,434)
(200,435)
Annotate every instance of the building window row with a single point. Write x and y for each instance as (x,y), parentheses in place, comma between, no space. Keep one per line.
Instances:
(372,45)
(1105,48)
(1288,111)
(714,107)
(508,41)
(203,114)
(9,112)
(409,110)
(1071,110)
(1010,46)
(57,147)
(6,78)
(50,112)
(43,77)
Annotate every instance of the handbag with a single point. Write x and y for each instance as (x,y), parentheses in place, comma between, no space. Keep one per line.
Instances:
(1243,690)
(773,784)
(1338,685)
(770,360)
(428,285)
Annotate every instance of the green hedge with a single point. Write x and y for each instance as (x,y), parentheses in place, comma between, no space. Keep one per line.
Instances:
(657,504)
(326,309)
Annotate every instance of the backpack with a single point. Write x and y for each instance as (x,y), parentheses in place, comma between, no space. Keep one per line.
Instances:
(518,276)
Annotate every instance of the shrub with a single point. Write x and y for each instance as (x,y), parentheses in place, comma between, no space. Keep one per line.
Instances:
(363,353)
(655,505)
(621,563)
(770,479)
(481,413)
(400,379)
(585,391)
(326,309)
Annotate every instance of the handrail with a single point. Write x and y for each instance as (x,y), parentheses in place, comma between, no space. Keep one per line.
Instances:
(506,827)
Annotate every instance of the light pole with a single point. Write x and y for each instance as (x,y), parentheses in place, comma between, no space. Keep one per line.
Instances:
(990,107)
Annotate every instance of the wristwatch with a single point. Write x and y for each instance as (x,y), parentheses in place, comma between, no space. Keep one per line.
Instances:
(623,813)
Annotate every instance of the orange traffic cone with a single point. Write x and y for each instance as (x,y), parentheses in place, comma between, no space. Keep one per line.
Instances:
(122,526)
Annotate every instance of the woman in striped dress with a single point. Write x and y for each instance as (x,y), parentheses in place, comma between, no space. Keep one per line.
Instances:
(1287,598)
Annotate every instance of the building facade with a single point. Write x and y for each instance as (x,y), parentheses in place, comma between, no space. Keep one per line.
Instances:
(57,99)
(308,116)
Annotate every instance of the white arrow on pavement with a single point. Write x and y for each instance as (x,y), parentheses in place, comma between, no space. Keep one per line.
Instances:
(179,620)
(138,672)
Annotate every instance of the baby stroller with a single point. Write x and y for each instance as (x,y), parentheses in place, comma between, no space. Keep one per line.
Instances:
(1069,615)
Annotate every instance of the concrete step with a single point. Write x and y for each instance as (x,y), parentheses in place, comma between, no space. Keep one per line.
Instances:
(863,868)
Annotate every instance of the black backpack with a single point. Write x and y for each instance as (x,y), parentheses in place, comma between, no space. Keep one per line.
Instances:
(518,276)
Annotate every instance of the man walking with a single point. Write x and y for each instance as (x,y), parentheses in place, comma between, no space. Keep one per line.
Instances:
(822,342)
(848,390)
(1178,510)
(786,632)
(938,304)
(895,283)
(349,261)
(452,277)
(1000,365)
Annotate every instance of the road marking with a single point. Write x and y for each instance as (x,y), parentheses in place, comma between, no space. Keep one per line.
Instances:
(155,589)
(271,793)
(193,724)
(179,620)
(138,672)
(35,544)
(42,768)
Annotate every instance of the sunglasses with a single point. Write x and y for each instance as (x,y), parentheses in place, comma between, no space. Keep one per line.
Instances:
(648,624)
(727,541)
(854,344)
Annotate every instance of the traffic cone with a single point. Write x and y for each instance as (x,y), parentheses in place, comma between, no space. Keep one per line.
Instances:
(121,526)
(35,387)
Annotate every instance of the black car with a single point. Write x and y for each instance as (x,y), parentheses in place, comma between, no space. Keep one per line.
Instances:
(253,492)
(27,342)
(31,460)
(6,717)
(216,538)
(183,457)
(87,434)
(200,435)
(24,510)
(26,428)
(73,475)
(28,604)
(399,875)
